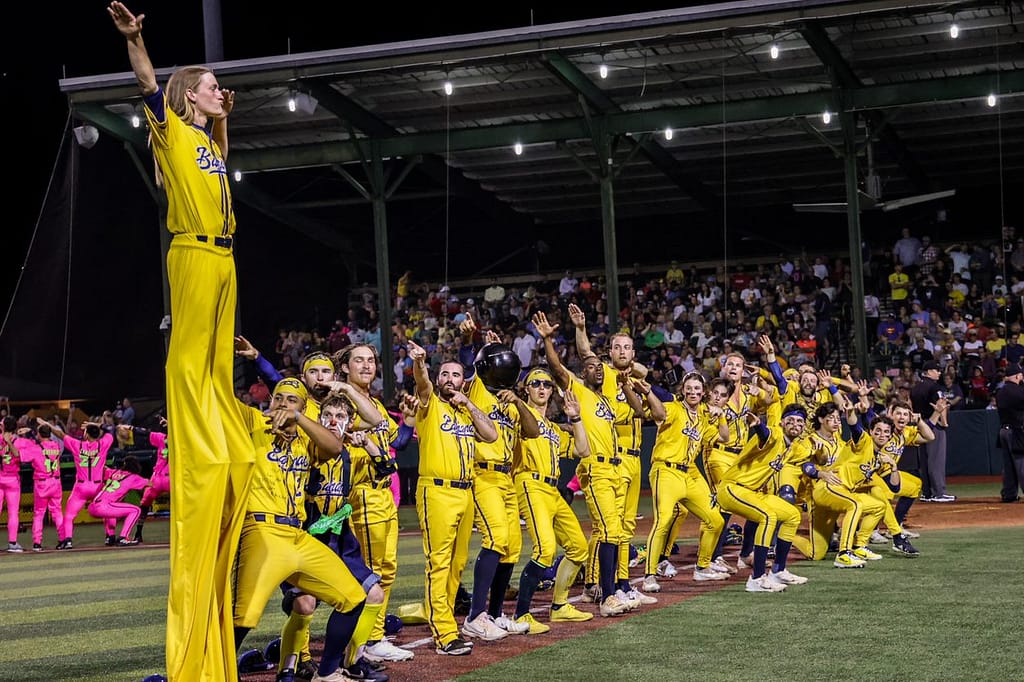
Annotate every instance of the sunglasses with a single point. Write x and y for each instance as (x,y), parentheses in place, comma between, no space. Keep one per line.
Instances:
(537,383)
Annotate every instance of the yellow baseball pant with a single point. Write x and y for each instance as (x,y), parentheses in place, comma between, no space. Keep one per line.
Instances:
(860,514)
(604,490)
(630,472)
(446,520)
(549,521)
(671,487)
(910,486)
(767,511)
(374,522)
(271,554)
(717,463)
(497,515)
(212,464)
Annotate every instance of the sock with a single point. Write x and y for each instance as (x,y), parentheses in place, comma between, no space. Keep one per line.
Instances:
(565,576)
(760,559)
(144,512)
(499,586)
(623,585)
(902,507)
(483,577)
(781,554)
(295,635)
(340,627)
(364,626)
(749,530)
(528,581)
(607,559)
(721,536)
(240,633)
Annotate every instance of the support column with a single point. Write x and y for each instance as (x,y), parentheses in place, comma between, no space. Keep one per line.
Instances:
(378,192)
(849,124)
(611,254)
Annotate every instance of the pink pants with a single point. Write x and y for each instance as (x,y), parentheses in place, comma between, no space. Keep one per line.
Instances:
(158,485)
(110,512)
(573,485)
(47,498)
(10,493)
(396,489)
(80,496)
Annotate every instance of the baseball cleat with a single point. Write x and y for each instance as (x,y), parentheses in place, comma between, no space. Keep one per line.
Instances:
(666,569)
(720,565)
(742,563)
(644,599)
(787,578)
(456,647)
(613,606)
(567,613)
(516,626)
(15,548)
(533,626)
(763,584)
(848,560)
(877,539)
(866,554)
(910,534)
(592,594)
(483,627)
(384,650)
(650,584)
(901,545)
(709,573)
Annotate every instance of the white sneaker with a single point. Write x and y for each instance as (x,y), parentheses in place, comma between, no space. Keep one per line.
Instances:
(623,597)
(15,547)
(386,651)
(709,573)
(741,564)
(720,565)
(764,584)
(510,626)
(650,584)
(877,538)
(911,534)
(944,498)
(787,578)
(666,569)
(483,627)
(644,599)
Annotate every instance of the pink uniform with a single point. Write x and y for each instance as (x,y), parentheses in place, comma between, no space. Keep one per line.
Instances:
(45,460)
(90,460)
(108,505)
(160,481)
(10,487)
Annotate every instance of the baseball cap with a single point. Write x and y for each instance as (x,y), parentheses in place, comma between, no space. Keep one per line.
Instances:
(931,365)
(1014,369)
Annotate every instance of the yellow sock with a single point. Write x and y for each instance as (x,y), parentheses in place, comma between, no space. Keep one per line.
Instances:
(364,626)
(295,638)
(565,576)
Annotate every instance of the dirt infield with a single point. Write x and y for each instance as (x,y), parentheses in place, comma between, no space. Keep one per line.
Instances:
(979,511)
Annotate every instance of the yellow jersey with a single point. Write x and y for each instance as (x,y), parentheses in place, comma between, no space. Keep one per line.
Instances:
(506,420)
(599,415)
(540,455)
(447,441)
(382,434)
(683,434)
(628,432)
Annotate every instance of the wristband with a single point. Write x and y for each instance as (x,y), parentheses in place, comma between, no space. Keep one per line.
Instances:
(832,389)
(575,420)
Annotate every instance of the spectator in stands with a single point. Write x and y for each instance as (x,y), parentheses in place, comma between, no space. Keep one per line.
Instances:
(961,260)
(981,265)
(889,335)
(906,251)
(494,294)
(125,413)
(568,284)
(950,388)
(403,289)
(524,346)
(673,336)
(372,335)
(899,284)
(928,256)
(675,277)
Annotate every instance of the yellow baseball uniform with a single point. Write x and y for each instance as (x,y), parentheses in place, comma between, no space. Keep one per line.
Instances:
(910,485)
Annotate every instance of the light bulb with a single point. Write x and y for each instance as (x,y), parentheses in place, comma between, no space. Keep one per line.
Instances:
(518,148)
(603,71)
(668,133)
(826,117)
(774,51)
(135,121)
(448,88)
(238,176)
(291,104)
(991,100)
(954,31)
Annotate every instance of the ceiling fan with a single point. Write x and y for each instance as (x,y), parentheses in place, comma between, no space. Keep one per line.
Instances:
(871,195)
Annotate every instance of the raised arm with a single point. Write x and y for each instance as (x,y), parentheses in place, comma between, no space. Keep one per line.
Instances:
(571,407)
(245,349)
(130,27)
(579,320)
(654,404)
(546,330)
(419,372)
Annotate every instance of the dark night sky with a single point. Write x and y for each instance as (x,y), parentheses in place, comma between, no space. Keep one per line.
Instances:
(113,345)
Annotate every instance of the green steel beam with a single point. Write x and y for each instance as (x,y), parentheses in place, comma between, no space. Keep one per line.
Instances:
(692,116)
(844,77)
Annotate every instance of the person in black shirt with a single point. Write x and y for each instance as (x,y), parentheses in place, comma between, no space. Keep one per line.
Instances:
(925,396)
(1010,403)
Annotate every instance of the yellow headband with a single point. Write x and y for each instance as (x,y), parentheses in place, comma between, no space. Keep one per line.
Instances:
(291,386)
(538,373)
(317,360)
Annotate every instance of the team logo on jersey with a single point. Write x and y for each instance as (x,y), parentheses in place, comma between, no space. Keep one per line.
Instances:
(894,447)
(332,489)
(867,470)
(288,463)
(500,418)
(691,432)
(208,163)
(603,411)
(449,425)
(777,462)
(550,434)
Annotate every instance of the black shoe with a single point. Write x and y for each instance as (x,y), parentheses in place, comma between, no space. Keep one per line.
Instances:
(901,545)
(36,547)
(456,647)
(110,541)
(360,671)
(1009,499)
(286,675)
(305,671)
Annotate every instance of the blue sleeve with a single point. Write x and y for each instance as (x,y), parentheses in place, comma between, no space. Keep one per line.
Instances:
(888,482)
(662,394)
(780,381)
(155,103)
(762,433)
(467,353)
(856,431)
(403,437)
(868,417)
(266,370)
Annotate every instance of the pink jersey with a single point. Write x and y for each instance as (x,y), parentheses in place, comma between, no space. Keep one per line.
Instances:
(117,483)
(10,460)
(159,441)
(43,456)
(90,457)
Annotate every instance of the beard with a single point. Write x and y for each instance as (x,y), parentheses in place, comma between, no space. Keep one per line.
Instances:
(320,392)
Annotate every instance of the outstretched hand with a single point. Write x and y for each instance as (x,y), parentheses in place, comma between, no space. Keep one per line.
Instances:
(245,349)
(129,25)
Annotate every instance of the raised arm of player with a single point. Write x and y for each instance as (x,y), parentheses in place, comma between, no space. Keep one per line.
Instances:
(485,428)
(579,321)
(546,330)
(571,407)
(424,387)
(130,26)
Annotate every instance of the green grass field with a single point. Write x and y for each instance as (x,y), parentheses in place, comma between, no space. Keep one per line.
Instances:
(99,616)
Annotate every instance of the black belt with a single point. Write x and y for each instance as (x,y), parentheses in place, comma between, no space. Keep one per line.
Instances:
(461,485)
(500,468)
(734,451)
(611,460)
(630,451)
(553,482)
(279,520)
(673,465)
(223,242)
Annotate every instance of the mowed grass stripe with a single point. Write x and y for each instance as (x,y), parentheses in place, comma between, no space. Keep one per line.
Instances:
(131,663)
(83,626)
(948,613)
(69,610)
(30,562)
(48,577)
(71,641)
(113,586)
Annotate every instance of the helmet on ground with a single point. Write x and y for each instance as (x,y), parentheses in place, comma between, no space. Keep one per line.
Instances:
(252,661)
(273,650)
(392,625)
